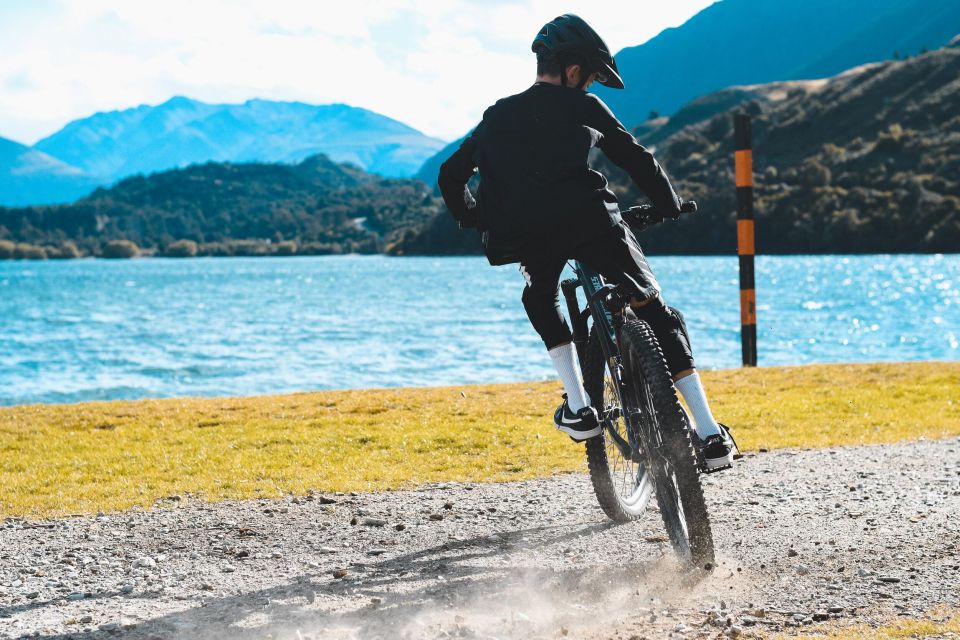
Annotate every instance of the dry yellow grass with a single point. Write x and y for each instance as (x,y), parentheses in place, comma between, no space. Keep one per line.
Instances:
(59,459)
(937,626)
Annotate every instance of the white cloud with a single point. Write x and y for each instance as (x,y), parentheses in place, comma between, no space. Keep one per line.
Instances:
(434,65)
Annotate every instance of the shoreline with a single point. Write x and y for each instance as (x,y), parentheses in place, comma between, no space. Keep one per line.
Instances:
(152,254)
(297,392)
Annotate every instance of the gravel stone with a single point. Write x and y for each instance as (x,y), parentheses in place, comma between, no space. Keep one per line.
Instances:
(374,522)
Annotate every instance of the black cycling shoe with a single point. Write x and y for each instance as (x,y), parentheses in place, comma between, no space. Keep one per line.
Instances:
(581,425)
(716,452)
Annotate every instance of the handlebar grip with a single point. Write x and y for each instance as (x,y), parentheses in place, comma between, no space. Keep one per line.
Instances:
(644,216)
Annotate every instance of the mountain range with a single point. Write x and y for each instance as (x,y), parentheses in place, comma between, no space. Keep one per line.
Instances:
(182,131)
(738,42)
(106,147)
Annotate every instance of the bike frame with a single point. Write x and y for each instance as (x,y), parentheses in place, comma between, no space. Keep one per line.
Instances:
(597,294)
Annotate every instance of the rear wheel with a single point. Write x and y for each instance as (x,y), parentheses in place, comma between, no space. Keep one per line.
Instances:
(666,440)
(620,480)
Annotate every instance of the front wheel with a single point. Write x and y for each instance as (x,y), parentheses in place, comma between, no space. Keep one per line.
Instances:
(619,474)
(654,407)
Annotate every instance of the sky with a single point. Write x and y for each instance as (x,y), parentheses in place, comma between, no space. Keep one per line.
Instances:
(432,64)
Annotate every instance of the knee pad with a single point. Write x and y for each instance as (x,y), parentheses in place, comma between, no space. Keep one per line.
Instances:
(683,322)
(653,313)
(671,330)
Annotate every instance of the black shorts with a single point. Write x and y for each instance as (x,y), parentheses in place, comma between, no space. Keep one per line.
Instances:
(616,254)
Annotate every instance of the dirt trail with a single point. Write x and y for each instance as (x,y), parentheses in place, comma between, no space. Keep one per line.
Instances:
(854,534)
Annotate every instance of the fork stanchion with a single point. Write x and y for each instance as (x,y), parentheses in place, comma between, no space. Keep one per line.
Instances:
(746,245)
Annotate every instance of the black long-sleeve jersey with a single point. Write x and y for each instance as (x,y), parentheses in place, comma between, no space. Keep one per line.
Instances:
(538,195)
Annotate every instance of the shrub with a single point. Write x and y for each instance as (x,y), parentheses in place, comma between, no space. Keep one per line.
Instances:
(892,140)
(181,249)
(25,251)
(323,248)
(287,248)
(815,174)
(213,249)
(121,249)
(247,248)
(66,251)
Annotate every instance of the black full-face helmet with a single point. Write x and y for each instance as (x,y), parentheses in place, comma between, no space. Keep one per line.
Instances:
(570,35)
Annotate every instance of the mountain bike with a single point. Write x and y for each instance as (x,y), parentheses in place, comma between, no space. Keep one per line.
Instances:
(645,447)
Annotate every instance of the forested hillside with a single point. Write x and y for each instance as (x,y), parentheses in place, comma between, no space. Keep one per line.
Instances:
(315,207)
(868,161)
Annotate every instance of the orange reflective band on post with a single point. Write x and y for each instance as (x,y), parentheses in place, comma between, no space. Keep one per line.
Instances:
(748,306)
(743,160)
(745,240)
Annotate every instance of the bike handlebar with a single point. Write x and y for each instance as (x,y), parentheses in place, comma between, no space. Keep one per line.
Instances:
(637,218)
(644,216)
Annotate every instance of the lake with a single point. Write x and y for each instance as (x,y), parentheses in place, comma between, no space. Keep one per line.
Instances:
(99,330)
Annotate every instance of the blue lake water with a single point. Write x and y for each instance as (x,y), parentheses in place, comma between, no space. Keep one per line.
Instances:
(96,329)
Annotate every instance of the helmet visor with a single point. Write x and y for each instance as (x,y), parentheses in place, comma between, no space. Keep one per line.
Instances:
(607,76)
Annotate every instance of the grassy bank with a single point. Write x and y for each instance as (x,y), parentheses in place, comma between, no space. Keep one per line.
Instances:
(935,625)
(60,459)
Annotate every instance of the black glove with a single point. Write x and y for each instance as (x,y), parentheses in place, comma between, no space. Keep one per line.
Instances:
(645,216)
(641,217)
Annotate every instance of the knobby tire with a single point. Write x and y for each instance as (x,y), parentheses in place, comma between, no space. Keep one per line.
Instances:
(673,465)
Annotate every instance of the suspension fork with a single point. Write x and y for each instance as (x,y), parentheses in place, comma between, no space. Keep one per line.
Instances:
(600,305)
(578,319)
(593,287)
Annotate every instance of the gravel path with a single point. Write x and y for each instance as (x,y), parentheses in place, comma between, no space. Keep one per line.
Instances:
(855,534)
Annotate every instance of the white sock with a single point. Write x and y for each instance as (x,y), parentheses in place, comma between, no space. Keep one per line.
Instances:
(692,391)
(565,360)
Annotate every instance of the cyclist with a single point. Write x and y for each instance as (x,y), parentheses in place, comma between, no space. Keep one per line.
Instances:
(540,204)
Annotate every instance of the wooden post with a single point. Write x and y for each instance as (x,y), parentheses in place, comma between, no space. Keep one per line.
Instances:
(746,247)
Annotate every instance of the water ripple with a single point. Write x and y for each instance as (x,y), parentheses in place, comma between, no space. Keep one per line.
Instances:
(100,330)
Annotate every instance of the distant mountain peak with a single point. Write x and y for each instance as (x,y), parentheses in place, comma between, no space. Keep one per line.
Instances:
(184,131)
(29,176)
(177,101)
